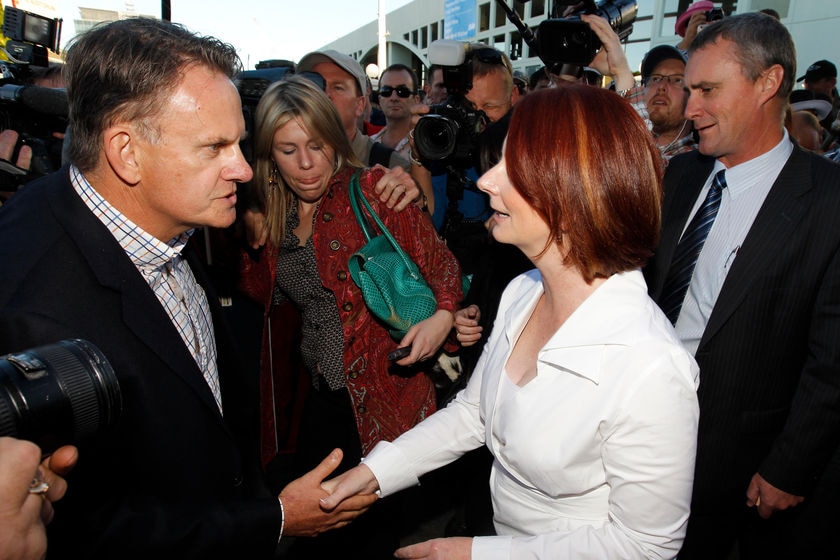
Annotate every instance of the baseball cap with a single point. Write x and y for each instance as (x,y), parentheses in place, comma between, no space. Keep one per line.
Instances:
(818,70)
(682,21)
(806,100)
(343,61)
(656,55)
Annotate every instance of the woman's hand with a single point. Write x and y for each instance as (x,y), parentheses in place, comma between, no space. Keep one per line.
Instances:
(453,548)
(357,481)
(426,337)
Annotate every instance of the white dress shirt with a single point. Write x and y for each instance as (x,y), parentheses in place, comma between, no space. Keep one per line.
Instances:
(594,457)
(747,185)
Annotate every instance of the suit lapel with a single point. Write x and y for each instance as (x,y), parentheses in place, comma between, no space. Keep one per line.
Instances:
(142,312)
(777,220)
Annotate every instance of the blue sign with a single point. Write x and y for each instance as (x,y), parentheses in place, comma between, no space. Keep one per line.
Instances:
(459,19)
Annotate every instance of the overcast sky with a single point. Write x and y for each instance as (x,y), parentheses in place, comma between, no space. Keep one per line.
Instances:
(259,29)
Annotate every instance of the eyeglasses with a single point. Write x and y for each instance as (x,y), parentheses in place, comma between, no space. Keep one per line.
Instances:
(674,80)
(402,91)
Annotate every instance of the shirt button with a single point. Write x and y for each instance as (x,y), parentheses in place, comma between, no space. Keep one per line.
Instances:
(342,275)
(327,217)
(347,307)
(353,375)
(335,245)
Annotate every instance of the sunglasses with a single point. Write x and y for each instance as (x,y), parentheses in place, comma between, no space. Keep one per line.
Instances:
(402,91)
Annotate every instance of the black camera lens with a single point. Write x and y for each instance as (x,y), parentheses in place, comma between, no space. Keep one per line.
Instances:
(57,394)
(435,137)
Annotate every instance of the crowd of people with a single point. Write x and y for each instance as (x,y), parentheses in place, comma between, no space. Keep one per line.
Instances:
(646,346)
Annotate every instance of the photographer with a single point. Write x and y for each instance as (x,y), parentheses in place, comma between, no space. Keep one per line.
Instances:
(491,91)
(8,141)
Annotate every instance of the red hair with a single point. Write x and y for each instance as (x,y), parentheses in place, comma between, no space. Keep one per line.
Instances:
(585,161)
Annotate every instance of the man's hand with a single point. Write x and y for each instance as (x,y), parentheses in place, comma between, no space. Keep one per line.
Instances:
(304,515)
(8,141)
(610,60)
(397,189)
(23,514)
(453,548)
(467,329)
(767,498)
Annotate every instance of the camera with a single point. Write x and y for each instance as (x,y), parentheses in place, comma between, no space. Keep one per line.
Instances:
(714,14)
(36,113)
(568,40)
(448,134)
(58,394)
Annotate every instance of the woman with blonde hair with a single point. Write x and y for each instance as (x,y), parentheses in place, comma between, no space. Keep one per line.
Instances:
(356,395)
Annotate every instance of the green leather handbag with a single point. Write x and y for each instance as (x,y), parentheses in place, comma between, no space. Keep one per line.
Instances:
(394,290)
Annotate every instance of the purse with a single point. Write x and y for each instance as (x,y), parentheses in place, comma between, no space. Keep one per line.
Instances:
(393,288)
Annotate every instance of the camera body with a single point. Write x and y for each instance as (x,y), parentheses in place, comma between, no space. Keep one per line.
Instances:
(448,134)
(570,41)
(714,14)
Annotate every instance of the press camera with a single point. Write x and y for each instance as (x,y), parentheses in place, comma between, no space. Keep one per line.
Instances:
(448,134)
(36,113)
(565,40)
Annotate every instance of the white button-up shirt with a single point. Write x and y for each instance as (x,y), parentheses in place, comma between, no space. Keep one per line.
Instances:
(594,457)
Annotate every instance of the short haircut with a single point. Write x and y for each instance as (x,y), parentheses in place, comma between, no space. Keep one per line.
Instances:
(599,188)
(430,72)
(761,41)
(403,68)
(293,98)
(482,67)
(124,71)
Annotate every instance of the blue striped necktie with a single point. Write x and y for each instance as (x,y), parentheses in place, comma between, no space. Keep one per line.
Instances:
(688,249)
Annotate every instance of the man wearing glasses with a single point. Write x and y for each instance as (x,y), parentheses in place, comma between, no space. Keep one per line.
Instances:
(661,97)
(661,100)
(397,94)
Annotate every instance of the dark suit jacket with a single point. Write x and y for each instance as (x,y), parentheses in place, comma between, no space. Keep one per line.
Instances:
(770,355)
(175,479)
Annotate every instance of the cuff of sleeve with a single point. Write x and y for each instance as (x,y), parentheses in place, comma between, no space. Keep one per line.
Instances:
(492,548)
(391,468)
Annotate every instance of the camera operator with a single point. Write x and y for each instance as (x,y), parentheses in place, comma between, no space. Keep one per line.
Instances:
(28,487)
(492,91)
(8,141)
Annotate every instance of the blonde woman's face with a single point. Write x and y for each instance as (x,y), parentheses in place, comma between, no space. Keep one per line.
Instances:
(305,164)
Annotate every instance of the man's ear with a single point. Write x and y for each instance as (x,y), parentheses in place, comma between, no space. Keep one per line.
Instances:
(121,151)
(771,81)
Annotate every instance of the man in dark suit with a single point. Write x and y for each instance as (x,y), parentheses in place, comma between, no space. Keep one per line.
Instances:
(762,305)
(99,251)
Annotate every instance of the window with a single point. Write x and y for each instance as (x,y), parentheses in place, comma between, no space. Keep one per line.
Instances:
(501,18)
(484,17)
(433,32)
(414,37)
(537,7)
(424,37)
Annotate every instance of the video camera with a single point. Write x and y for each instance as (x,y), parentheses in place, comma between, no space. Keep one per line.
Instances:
(449,133)
(566,40)
(36,113)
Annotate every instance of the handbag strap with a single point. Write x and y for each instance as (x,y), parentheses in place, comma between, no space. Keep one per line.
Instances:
(356,197)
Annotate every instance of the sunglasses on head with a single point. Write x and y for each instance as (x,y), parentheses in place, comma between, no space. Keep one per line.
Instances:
(488,56)
(402,91)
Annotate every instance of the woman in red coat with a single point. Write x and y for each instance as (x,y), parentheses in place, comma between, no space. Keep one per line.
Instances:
(357,397)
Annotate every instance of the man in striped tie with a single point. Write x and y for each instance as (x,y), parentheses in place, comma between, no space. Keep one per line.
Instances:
(748,269)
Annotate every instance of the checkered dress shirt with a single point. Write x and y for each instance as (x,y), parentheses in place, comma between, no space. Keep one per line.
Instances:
(168,275)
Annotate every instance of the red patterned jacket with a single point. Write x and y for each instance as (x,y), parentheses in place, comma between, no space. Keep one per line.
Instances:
(387,401)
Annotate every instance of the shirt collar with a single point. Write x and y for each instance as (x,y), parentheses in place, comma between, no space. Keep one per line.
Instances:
(146,251)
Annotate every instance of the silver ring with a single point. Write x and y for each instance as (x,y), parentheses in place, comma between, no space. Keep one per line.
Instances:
(38,486)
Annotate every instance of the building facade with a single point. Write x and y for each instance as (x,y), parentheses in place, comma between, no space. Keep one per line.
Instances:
(413,27)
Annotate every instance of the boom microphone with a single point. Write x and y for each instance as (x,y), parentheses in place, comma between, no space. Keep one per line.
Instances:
(48,101)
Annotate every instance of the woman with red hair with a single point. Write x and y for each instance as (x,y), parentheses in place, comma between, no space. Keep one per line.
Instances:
(583,394)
